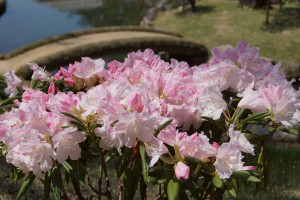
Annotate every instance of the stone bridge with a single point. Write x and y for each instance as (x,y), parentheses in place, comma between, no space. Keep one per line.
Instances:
(61,50)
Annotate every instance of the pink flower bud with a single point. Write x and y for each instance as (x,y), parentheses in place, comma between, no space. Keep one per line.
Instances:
(51,89)
(216,145)
(252,168)
(182,171)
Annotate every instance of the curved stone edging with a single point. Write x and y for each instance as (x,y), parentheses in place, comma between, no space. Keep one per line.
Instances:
(64,51)
(80,33)
(121,46)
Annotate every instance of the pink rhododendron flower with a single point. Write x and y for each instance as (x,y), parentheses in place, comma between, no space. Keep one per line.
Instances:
(196,145)
(281,101)
(224,75)
(251,100)
(155,148)
(28,150)
(240,141)
(39,73)
(182,170)
(66,143)
(228,160)
(88,68)
(12,83)
(212,103)
(244,57)
(64,102)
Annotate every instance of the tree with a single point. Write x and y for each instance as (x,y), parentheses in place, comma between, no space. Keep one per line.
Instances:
(192,3)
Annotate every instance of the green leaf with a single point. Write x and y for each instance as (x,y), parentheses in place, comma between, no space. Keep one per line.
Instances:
(56,183)
(167,160)
(232,192)
(144,163)
(238,114)
(256,116)
(10,100)
(47,185)
(217,181)
(143,188)
(2,82)
(245,176)
(196,161)
(28,181)
(110,155)
(173,189)
(73,173)
(165,178)
(131,180)
(215,122)
(72,116)
(190,186)
(183,195)
(61,81)
(79,125)
(289,130)
(158,168)
(230,188)
(124,159)
(164,125)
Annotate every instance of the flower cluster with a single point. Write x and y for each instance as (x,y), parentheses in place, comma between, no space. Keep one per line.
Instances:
(164,106)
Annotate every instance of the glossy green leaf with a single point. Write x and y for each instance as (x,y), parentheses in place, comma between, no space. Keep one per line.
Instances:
(73,173)
(72,116)
(238,115)
(56,183)
(183,195)
(144,163)
(191,187)
(130,180)
(79,125)
(10,100)
(164,125)
(158,168)
(196,161)
(167,160)
(256,116)
(47,185)
(165,178)
(217,181)
(27,182)
(110,155)
(143,188)
(124,159)
(173,189)
(232,192)
(289,130)
(59,82)
(245,176)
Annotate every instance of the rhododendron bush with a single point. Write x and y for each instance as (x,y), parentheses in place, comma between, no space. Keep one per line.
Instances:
(150,122)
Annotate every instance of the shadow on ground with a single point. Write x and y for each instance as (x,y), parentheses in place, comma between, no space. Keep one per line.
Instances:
(200,9)
(285,19)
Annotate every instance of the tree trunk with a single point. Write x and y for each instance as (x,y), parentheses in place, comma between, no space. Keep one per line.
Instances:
(267,12)
(193,4)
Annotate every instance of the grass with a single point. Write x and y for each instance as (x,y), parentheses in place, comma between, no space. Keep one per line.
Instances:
(284,176)
(221,22)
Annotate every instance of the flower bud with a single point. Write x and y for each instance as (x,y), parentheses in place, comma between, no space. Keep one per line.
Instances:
(182,171)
